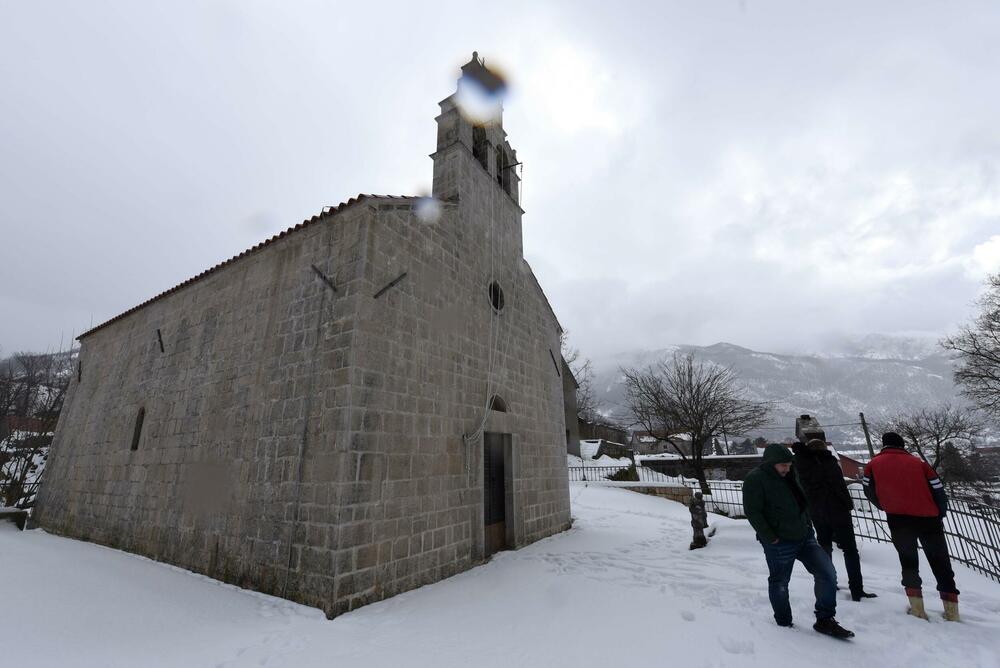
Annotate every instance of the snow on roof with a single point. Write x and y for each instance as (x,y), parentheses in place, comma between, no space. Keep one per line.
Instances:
(755,455)
(589,447)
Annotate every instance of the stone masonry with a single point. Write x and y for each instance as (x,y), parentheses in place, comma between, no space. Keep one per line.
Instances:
(301,428)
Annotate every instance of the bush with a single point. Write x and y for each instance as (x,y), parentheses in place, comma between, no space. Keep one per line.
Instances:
(625,475)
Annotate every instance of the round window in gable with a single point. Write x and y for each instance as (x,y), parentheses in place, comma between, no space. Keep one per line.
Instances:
(496,296)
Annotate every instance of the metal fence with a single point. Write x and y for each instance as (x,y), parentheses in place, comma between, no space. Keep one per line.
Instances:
(726,499)
(616,473)
(972,527)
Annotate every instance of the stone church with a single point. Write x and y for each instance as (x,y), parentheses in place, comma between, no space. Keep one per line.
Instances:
(370,401)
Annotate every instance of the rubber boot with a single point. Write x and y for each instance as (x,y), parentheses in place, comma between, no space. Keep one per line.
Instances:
(950,607)
(916,598)
(917,607)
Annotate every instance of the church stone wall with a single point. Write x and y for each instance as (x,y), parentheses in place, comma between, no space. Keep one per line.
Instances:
(308,440)
(265,366)
(212,485)
(421,362)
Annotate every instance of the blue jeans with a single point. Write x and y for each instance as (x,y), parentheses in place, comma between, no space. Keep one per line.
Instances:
(781,558)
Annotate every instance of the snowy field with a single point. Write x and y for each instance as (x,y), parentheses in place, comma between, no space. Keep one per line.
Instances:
(619,589)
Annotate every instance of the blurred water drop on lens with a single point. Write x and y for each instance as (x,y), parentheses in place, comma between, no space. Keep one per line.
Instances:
(428,210)
(481,91)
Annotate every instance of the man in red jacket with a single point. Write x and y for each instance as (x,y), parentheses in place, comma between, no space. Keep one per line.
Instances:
(913,498)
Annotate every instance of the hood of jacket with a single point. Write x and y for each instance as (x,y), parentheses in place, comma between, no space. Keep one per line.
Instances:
(803,450)
(776,454)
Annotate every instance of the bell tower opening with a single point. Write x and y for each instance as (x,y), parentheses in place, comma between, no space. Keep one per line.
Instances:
(471,122)
(480,146)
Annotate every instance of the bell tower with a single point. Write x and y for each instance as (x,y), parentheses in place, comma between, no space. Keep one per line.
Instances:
(471,142)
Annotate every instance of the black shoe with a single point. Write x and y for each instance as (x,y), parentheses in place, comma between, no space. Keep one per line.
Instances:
(787,625)
(830,627)
(862,594)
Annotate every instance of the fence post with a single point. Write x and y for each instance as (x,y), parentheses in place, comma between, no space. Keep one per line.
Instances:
(868,436)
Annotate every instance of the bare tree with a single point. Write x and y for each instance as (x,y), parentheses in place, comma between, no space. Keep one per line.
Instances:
(586,400)
(928,431)
(32,391)
(685,396)
(977,351)
(968,473)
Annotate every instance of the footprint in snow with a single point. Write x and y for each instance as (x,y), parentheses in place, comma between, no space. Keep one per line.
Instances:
(736,646)
(687,615)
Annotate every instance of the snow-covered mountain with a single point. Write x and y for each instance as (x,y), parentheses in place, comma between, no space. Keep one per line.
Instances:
(884,347)
(879,375)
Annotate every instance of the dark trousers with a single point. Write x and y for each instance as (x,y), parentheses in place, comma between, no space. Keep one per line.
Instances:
(906,530)
(841,530)
(780,560)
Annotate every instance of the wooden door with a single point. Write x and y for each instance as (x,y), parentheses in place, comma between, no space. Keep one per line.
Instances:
(494,491)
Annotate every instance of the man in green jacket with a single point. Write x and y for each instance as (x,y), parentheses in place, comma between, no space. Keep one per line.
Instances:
(775,504)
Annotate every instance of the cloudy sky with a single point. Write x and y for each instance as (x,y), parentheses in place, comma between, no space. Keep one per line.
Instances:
(770,174)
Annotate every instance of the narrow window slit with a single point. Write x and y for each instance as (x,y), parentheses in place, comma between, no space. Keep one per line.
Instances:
(137,433)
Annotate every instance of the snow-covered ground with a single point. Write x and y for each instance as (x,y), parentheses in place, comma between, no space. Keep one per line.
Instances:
(619,589)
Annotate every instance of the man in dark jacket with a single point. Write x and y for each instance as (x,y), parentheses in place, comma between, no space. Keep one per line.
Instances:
(776,507)
(830,507)
(915,503)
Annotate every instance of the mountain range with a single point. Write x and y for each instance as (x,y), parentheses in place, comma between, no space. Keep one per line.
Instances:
(879,375)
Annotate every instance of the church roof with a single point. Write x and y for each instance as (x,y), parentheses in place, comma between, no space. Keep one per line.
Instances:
(327,212)
(548,304)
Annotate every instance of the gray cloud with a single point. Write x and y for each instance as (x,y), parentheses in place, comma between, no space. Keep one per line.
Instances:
(770,174)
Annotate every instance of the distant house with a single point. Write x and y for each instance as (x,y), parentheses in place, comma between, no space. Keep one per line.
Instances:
(991,457)
(603,429)
(644,443)
(851,467)
(990,452)
(682,443)
(595,448)
(598,447)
